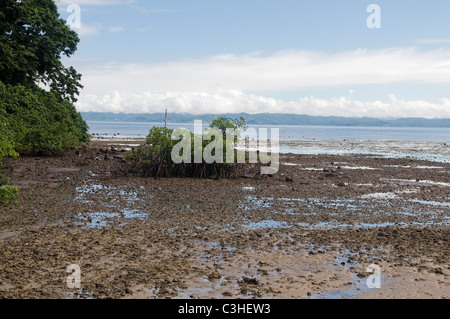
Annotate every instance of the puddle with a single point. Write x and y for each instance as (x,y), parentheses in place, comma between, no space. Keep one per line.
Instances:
(358,285)
(120,192)
(290,164)
(79,294)
(411,182)
(433,203)
(255,202)
(325,225)
(375,210)
(418,167)
(105,219)
(205,289)
(409,191)
(398,166)
(359,167)
(266,224)
(219,246)
(380,196)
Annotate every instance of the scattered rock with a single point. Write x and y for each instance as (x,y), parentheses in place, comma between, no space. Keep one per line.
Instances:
(250,281)
(129,291)
(214,275)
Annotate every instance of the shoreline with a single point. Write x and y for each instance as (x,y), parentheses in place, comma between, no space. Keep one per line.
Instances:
(431,151)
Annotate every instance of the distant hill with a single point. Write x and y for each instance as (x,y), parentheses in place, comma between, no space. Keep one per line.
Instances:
(271,119)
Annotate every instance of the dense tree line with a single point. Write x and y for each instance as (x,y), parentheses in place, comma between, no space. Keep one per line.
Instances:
(33,39)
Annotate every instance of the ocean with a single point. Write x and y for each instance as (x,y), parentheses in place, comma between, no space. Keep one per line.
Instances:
(426,143)
(291,133)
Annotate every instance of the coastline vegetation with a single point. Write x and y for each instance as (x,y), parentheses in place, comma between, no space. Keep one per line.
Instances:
(33,40)
(155,158)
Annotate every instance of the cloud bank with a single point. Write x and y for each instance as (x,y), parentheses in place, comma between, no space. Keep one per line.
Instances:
(219,83)
(235,101)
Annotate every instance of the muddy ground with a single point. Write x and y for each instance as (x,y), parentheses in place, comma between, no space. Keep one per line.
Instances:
(310,231)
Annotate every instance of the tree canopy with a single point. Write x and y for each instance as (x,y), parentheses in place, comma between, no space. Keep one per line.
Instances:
(33,39)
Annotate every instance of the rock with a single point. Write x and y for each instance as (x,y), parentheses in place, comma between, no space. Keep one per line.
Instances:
(138,270)
(363,274)
(214,275)
(163,291)
(438,271)
(129,291)
(250,281)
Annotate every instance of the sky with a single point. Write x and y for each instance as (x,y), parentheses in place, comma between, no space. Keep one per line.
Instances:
(315,57)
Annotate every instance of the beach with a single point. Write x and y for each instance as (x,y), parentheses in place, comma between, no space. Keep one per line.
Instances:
(316,229)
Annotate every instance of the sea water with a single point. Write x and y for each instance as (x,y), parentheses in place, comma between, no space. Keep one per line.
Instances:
(426,143)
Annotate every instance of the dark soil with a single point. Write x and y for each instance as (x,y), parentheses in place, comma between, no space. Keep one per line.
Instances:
(309,231)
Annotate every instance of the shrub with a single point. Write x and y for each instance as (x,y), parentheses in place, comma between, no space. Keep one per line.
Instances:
(6,149)
(33,120)
(39,121)
(155,157)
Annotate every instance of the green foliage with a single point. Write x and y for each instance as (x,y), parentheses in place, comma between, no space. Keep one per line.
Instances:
(160,142)
(32,40)
(6,193)
(223,124)
(155,158)
(6,150)
(36,120)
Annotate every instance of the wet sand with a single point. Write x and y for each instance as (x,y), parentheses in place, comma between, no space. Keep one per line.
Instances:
(310,231)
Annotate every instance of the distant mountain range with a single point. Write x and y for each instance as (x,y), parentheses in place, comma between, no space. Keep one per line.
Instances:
(270,119)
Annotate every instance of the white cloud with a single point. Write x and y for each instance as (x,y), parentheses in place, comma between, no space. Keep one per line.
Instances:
(191,85)
(287,70)
(236,101)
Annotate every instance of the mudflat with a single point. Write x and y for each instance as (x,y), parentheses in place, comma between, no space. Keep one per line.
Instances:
(316,229)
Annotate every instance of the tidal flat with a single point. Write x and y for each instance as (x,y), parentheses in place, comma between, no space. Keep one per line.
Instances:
(310,231)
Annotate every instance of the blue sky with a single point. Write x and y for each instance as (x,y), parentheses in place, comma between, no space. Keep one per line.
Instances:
(314,57)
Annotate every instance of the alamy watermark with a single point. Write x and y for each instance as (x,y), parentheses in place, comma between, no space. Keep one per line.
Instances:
(74,279)
(374,280)
(74,19)
(374,19)
(251,146)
